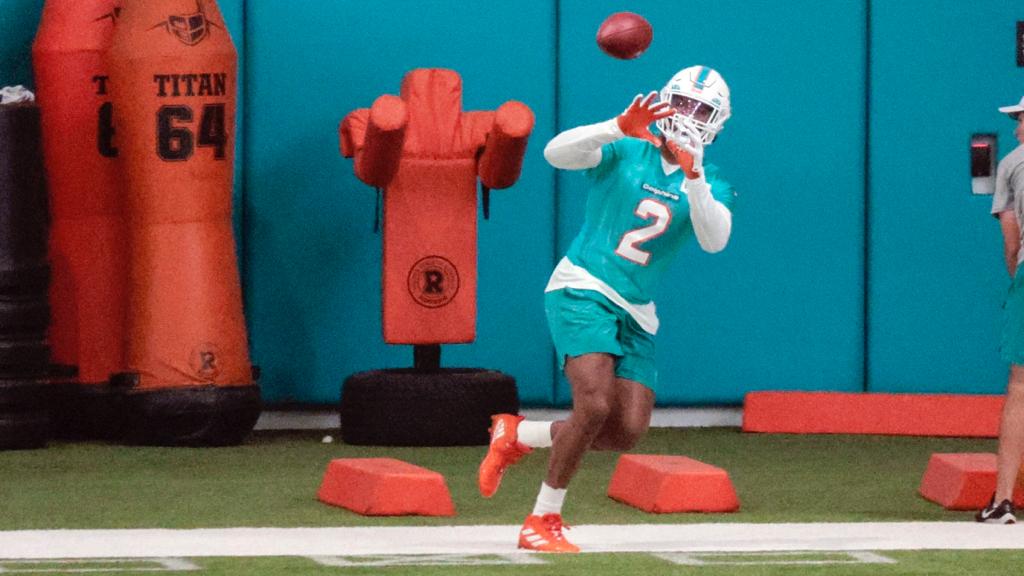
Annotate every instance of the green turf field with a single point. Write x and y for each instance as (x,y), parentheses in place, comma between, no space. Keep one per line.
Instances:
(273,478)
(272,481)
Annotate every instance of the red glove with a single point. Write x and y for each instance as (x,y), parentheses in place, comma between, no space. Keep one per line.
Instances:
(637,119)
(684,159)
(689,154)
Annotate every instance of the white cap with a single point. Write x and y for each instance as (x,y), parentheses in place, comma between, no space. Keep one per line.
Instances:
(1013,110)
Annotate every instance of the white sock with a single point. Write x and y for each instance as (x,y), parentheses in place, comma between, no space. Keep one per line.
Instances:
(535,434)
(549,501)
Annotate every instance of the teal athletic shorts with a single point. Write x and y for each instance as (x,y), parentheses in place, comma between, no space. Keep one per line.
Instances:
(584,322)
(1012,347)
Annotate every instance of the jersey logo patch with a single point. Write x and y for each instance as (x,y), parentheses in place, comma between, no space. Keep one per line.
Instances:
(660,192)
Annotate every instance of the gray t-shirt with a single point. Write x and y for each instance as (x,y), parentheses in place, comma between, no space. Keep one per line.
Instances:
(1010,189)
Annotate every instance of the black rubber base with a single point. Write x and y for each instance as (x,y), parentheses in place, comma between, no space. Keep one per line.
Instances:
(24,420)
(409,407)
(24,283)
(24,395)
(24,431)
(24,357)
(28,317)
(200,416)
(87,411)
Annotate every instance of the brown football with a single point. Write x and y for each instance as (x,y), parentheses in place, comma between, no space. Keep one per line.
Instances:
(624,35)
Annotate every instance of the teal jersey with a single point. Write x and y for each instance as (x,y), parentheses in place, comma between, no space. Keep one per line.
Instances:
(637,218)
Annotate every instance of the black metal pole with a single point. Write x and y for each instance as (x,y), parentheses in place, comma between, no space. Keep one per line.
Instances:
(426,356)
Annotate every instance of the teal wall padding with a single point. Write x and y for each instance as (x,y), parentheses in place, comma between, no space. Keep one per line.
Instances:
(313,278)
(940,69)
(781,307)
(18,22)
(831,252)
(234,18)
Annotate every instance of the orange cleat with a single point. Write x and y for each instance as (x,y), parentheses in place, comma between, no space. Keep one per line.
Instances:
(544,534)
(504,451)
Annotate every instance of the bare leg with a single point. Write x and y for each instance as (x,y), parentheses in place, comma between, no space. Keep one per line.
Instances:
(1011,436)
(630,417)
(592,377)
(629,420)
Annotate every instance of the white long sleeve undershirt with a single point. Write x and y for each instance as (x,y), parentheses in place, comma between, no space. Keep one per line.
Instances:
(580,148)
(712,221)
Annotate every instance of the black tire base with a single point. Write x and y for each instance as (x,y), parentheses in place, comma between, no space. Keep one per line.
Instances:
(18,395)
(409,407)
(24,430)
(24,416)
(194,416)
(28,282)
(28,317)
(87,411)
(24,356)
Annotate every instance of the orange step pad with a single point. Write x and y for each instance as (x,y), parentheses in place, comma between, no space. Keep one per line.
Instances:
(663,484)
(962,415)
(385,487)
(964,481)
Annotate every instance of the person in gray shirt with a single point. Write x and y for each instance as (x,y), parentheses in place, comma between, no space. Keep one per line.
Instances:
(1008,207)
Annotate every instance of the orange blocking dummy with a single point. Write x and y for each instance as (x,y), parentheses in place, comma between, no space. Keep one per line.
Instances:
(426,154)
(663,484)
(964,481)
(87,248)
(385,487)
(174,67)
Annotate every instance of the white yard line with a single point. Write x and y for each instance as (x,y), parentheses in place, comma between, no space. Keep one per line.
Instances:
(661,418)
(150,543)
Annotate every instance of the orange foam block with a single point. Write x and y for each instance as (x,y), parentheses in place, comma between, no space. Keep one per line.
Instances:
(964,415)
(664,484)
(963,481)
(385,487)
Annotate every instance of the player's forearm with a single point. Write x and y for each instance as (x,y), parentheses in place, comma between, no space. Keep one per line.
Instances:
(712,221)
(580,148)
(1011,251)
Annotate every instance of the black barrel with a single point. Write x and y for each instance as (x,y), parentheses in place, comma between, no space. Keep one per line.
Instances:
(24,215)
(24,280)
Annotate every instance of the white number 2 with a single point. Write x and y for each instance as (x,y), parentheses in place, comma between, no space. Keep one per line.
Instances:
(647,209)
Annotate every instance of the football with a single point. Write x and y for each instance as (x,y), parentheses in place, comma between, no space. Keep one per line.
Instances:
(624,35)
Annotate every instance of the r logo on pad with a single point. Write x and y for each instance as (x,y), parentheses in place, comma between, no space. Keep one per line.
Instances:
(433,282)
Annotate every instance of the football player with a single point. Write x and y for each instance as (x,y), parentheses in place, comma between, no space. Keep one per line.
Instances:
(649,195)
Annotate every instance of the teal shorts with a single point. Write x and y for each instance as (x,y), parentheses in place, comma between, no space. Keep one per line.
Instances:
(585,322)
(1012,347)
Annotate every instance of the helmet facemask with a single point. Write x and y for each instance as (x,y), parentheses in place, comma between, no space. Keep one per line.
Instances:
(700,99)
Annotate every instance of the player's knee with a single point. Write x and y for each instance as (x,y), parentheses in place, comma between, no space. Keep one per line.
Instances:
(631,434)
(591,410)
(624,436)
(613,442)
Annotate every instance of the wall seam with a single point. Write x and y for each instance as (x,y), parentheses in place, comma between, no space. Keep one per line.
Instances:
(245,271)
(866,312)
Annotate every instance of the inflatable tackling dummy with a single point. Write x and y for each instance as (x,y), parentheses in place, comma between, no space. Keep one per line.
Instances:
(426,155)
(173,77)
(88,234)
